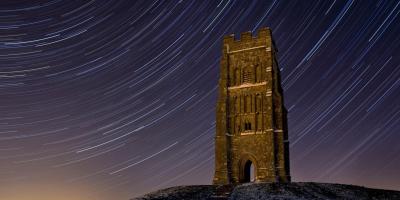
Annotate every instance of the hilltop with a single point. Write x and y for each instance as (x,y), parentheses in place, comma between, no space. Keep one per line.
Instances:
(276,191)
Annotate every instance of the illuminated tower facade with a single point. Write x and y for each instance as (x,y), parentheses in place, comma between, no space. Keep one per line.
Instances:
(251,142)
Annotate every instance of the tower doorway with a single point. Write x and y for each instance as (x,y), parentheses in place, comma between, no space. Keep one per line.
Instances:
(249,172)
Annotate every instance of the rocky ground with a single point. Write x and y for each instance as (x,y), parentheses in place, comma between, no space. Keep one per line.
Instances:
(276,191)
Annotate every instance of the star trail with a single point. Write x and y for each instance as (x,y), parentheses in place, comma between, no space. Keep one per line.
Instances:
(113,99)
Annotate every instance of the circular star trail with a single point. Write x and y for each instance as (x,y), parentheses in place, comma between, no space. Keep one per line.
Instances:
(113,99)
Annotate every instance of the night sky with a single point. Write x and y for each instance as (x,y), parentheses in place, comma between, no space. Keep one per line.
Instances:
(108,100)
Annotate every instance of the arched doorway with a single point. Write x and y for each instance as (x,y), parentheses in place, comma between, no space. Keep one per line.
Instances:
(248,172)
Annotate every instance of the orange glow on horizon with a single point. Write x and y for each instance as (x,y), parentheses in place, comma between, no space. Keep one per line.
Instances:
(48,191)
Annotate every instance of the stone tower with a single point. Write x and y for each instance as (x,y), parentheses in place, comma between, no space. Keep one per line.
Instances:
(251,127)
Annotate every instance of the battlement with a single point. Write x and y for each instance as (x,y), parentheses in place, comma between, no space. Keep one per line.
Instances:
(247,39)
(247,36)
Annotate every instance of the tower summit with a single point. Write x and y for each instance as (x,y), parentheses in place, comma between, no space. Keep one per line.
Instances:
(251,142)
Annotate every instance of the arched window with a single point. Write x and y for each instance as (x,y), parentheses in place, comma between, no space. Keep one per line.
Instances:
(247,126)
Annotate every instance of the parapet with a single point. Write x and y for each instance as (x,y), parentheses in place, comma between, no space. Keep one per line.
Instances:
(262,38)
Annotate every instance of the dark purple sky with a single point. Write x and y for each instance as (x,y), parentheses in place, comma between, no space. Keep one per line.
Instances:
(102,99)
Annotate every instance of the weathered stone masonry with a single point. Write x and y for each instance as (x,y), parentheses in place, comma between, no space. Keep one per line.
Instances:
(251,118)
